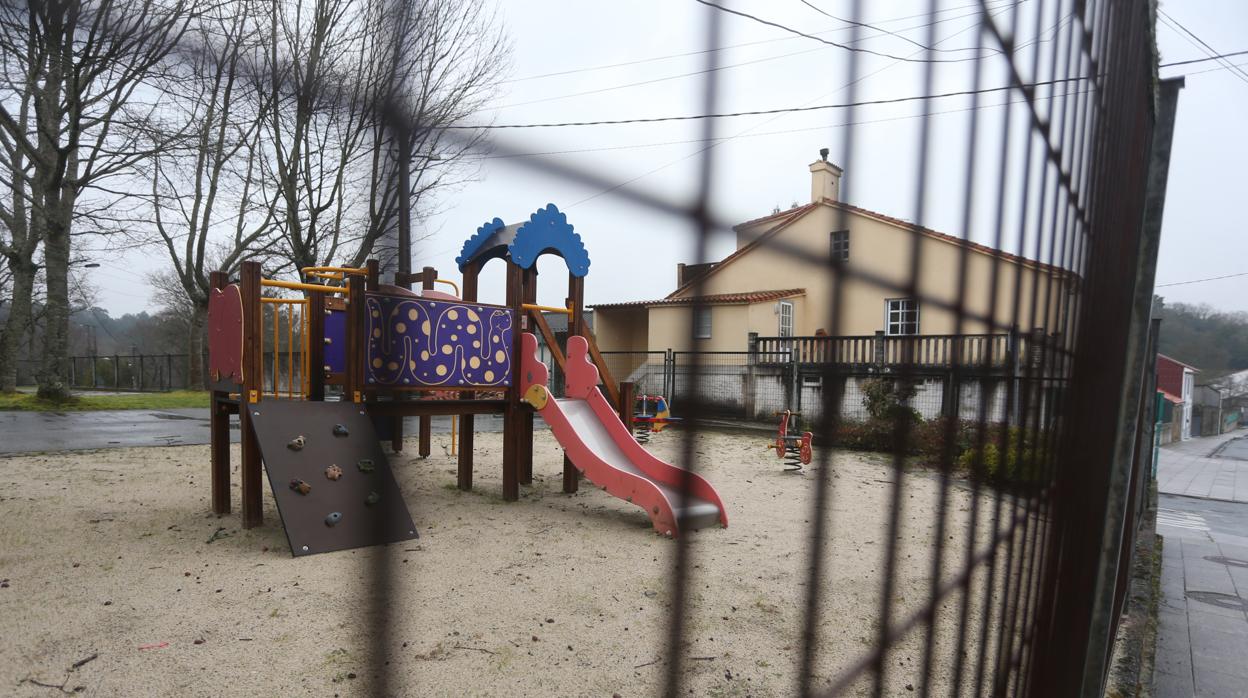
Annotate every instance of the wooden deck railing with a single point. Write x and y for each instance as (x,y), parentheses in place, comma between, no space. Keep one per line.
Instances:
(928,351)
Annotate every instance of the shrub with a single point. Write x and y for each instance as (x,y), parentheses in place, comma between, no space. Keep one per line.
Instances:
(1021,465)
(886,398)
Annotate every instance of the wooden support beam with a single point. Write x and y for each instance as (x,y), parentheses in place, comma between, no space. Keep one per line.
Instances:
(428,275)
(511,418)
(466,424)
(548,336)
(252,390)
(627,398)
(576,323)
(219,430)
(414,408)
(608,381)
(528,279)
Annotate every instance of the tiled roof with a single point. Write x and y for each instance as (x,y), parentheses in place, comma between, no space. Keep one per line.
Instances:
(797,211)
(785,218)
(714,299)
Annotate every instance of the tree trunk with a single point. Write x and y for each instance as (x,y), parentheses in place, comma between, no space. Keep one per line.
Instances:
(195,348)
(15,325)
(54,378)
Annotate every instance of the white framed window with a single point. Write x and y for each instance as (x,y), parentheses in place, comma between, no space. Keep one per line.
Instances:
(840,246)
(901,316)
(785,310)
(702,322)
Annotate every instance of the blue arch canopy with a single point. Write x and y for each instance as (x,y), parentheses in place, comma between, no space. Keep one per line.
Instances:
(547,230)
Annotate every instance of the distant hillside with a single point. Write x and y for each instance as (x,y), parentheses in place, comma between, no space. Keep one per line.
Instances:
(1212,341)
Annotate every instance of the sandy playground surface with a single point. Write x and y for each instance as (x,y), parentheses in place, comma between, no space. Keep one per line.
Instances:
(113,557)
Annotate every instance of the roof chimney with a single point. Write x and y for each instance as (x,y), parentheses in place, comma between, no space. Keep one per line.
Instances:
(825,179)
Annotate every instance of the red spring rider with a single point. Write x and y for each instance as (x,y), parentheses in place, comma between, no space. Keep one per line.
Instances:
(794,449)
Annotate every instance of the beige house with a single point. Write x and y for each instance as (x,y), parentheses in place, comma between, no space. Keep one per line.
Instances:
(780,281)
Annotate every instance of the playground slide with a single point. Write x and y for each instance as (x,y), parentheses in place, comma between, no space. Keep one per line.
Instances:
(599,445)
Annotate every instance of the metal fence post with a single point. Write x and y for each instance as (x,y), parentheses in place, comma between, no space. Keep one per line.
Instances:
(881,354)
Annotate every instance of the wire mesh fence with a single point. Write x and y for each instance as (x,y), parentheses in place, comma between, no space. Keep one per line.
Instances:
(1007,580)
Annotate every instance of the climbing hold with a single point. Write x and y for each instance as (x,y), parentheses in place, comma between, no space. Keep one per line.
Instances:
(366,465)
(333,472)
(333,518)
(341,430)
(300,486)
(296,444)
(372,498)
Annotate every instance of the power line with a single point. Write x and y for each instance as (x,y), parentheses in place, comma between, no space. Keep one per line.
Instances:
(772,119)
(1204,46)
(1206,60)
(765,112)
(653,59)
(812,37)
(721,139)
(790,110)
(1201,281)
(765,59)
(904,38)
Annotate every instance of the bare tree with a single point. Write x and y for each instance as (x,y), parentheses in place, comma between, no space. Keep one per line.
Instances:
(211,207)
(72,69)
(360,92)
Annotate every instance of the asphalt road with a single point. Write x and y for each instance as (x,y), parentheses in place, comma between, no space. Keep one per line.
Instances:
(32,432)
(1236,449)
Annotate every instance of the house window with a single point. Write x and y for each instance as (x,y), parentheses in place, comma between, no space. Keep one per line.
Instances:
(901,316)
(840,247)
(702,323)
(785,310)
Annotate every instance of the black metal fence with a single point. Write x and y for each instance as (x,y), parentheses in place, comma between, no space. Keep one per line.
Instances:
(153,372)
(1019,589)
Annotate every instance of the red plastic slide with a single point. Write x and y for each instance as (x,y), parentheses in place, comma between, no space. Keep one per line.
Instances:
(599,445)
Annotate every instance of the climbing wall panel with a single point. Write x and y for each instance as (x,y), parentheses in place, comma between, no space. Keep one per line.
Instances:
(338,468)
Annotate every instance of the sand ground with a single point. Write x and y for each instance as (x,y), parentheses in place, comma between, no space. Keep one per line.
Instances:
(114,556)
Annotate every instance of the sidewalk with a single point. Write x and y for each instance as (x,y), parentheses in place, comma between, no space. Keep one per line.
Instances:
(1202,635)
(1189,468)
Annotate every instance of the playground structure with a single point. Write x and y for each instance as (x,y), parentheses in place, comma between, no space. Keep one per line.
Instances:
(390,351)
(792,444)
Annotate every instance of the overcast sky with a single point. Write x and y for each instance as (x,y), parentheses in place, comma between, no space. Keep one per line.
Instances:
(762,163)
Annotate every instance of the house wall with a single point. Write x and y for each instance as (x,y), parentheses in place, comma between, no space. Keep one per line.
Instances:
(621,329)
(1170,376)
(880,250)
(670,328)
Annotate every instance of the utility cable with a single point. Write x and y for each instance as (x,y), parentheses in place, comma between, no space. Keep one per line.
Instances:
(812,37)
(789,110)
(653,59)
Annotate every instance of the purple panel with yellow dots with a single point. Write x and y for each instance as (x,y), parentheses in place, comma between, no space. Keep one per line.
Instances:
(419,343)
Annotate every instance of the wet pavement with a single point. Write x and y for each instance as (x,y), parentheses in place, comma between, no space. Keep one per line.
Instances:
(1212,467)
(1202,634)
(32,432)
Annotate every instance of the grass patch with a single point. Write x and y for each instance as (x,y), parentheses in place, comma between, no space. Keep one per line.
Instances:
(29,402)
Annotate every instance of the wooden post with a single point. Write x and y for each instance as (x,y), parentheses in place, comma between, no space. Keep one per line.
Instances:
(249,398)
(316,345)
(511,416)
(576,327)
(374,274)
(627,400)
(466,425)
(219,430)
(427,276)
(525,443)
(356,350)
